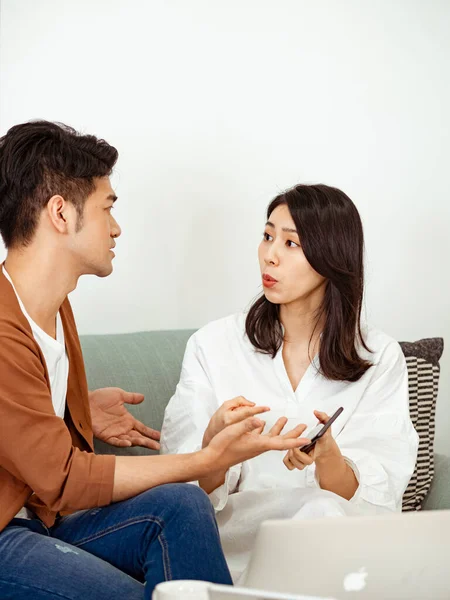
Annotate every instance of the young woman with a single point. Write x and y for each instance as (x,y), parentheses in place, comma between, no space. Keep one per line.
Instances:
(297,355)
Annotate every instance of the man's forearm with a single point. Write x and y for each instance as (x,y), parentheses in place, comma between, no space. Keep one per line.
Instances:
(335,475)
(212,482)
(136,474)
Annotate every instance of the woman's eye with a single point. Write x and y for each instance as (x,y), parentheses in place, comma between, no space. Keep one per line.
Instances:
(292,244)
(267,237)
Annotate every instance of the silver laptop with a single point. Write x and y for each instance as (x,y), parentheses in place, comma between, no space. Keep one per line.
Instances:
(389,557)
(228,592)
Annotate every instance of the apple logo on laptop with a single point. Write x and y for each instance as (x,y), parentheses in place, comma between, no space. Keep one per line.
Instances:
(355,582)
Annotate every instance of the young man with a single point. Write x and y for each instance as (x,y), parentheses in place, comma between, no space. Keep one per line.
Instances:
(74,524)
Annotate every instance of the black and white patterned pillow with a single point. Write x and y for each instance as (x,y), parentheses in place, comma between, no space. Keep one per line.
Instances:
(422,360)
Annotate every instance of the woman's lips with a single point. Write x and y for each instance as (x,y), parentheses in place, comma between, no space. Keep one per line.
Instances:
(269,281)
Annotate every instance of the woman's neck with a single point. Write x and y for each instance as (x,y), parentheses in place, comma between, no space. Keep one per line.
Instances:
(301,323)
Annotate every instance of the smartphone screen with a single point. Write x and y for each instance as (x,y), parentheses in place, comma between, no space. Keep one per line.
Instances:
(318,431)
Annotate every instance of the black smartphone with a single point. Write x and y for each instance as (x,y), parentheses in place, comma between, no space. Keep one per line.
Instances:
(318,431)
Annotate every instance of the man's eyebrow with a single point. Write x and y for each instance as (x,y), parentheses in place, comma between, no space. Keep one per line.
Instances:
(285,229)
(112,197)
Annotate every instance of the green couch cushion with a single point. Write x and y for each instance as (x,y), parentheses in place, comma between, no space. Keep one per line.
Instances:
(147,362)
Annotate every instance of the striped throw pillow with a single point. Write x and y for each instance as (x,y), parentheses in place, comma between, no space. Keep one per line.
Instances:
(422,360)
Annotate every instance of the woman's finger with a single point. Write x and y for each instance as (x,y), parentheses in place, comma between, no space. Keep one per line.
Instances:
(299,460)
(238,401)
(301,457)
(287,461)
(322,416)
(243,412)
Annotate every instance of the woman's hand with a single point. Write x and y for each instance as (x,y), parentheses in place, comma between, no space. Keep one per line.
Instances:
(332,471)
(231,412)
(242,441)
(325,448)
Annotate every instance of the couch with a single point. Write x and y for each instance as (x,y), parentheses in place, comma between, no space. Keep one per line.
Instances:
(150,363)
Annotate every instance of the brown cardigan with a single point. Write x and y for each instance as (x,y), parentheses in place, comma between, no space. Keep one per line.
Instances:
(46,462)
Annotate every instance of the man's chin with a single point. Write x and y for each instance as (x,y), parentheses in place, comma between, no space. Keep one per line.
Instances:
(102,271)
(106,271)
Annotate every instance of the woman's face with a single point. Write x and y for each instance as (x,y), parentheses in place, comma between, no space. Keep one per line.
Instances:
(287,275)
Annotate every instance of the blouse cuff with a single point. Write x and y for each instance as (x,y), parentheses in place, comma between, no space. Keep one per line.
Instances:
(219,497)
(312,481)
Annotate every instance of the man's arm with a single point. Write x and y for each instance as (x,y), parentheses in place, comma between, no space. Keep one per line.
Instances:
(136,474)
(234,444)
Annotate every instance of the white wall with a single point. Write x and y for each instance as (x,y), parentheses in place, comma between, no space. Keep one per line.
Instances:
(215,107)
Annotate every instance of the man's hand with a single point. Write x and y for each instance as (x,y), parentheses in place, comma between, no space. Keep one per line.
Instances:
(231,411)
(113,424)
(325,448)
(244,440)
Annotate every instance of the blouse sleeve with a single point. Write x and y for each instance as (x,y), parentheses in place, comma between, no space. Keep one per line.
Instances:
(379,441)
(188,414)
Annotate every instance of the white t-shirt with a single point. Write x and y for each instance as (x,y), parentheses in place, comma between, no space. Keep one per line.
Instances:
(374,432)
(56,359)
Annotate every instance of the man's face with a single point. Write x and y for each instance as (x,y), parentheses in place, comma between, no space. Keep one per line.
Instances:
(92,244)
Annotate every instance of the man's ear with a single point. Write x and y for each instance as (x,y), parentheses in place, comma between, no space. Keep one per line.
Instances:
(58,211)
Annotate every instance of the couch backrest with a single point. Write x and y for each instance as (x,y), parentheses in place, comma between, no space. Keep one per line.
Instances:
(147,362)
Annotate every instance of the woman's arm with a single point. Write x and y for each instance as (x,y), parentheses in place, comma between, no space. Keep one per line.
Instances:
(378,443)
(333,473)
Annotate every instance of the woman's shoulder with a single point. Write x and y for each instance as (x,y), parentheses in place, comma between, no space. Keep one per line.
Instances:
(381,347)
(227,330)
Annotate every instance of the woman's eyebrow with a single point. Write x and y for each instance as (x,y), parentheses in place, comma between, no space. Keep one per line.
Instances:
(285,229)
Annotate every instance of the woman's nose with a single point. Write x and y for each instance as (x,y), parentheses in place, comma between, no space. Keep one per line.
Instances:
(271,257)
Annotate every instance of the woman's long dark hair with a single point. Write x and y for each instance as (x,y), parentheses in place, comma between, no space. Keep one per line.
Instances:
(331,236)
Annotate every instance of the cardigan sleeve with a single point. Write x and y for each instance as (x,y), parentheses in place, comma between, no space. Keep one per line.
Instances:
(35,445)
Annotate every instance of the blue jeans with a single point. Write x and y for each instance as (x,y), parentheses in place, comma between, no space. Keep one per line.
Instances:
(118,551)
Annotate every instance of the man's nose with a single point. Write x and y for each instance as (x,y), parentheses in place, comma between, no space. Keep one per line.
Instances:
(115,229)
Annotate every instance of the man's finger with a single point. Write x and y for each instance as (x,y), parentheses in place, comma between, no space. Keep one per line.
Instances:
(296,432)
(133,398)
(144,442)
(278,427)
(281,443)
(120,443)
(152,434)
(237,430)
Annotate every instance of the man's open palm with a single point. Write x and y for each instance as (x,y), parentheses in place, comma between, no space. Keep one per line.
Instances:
(113,424)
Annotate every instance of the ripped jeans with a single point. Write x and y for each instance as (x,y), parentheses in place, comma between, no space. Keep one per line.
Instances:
(119,551)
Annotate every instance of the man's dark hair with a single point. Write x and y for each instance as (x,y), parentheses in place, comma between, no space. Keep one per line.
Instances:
(39,160)
(331,236)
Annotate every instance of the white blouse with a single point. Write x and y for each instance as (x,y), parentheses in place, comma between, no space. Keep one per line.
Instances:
(374,432)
